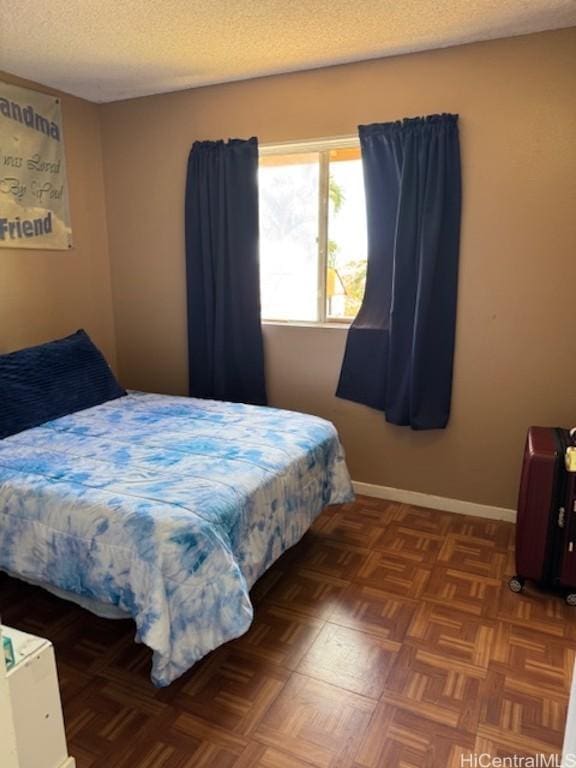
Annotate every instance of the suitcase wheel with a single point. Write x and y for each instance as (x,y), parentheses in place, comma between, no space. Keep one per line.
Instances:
(571,598)
(516,584)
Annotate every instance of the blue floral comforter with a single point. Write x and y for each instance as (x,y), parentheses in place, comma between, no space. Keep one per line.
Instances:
(168,508)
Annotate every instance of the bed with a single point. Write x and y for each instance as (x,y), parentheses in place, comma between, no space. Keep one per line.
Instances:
(166,509)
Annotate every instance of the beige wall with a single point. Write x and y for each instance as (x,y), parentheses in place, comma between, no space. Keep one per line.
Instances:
(516,353)
(46,294)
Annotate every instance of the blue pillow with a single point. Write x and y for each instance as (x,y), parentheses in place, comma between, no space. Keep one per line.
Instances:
(51,380)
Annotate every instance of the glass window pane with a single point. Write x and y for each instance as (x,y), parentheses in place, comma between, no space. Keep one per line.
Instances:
(347,242)
(288,187)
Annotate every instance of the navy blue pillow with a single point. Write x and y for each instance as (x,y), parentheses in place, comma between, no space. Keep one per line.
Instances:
(42,383)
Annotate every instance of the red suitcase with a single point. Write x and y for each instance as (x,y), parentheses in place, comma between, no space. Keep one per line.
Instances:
(546,523)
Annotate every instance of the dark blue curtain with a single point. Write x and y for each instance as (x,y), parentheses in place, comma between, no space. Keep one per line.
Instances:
(226,360)
(400,347)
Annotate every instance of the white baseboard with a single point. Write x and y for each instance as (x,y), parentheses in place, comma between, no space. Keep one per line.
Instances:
(435,502)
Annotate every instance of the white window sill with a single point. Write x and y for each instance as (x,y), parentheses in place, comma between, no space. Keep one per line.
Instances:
(303,324)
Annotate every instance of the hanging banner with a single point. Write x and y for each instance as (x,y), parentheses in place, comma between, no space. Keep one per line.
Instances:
(33,190)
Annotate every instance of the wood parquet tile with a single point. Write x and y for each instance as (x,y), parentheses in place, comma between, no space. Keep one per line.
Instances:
(394,573)
(473,555)
(432,686)
(317,722)
(463,591)
(306,591)
(332,558)
(387,638)
(421,547)
(521,715)
(535,610)
(401,738)
(279,636)
(356,661)
(458,636)
(239,688)
(374,611)
(360,527)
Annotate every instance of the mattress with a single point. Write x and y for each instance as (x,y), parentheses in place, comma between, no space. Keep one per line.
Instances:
(167,509)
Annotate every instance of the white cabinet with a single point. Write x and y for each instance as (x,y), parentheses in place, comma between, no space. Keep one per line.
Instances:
(569,750)
(8,756)
(35,702)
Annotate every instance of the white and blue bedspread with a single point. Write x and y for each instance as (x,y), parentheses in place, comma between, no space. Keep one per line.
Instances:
(168,508)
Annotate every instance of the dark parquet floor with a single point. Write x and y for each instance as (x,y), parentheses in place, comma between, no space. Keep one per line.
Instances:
(387,638)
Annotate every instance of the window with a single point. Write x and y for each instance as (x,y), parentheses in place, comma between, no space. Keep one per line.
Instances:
(312,232)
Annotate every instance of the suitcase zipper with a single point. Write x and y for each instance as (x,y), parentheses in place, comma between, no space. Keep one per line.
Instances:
(571,533)
(556,548)
(572,512)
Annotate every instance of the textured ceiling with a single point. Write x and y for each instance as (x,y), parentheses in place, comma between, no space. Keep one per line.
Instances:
(105,50)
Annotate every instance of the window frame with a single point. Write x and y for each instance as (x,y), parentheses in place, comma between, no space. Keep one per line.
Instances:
(323,148)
